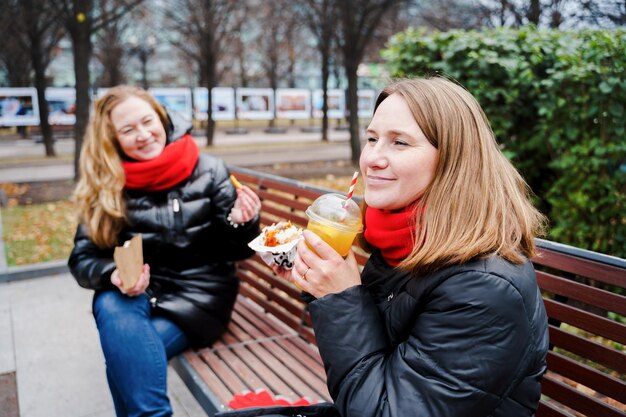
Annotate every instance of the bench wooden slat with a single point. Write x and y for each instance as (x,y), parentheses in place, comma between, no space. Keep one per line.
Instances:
(570,397)
(224,373)
(266,377)
(254,311)
(293,363)
(604,273)
(310,352)
(593,296)
(256,266)
(209,377)
(301,189)
(295,323)
(259,330)
(547,409)
(589,349)
(291,385)
(592,323)
(269,294)
(280,215)
(291,203)
(589,377)
(241,368)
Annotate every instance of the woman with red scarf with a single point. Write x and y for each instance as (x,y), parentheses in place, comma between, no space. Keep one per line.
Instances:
(446,318)
(137,179)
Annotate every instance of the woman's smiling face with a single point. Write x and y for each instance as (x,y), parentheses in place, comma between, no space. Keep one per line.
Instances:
(397,162)
(139,130)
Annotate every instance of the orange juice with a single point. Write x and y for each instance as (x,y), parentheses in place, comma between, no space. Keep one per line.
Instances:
(335,221)
(340,240)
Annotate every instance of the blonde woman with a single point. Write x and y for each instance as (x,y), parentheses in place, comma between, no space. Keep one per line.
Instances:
(446,318)
(137,178)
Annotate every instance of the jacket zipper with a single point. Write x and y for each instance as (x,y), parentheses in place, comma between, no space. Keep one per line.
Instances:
(176,220)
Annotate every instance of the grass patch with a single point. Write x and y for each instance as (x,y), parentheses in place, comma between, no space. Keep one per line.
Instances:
(39,232)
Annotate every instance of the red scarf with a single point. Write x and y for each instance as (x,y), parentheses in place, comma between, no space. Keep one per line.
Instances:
(391,232)
(174,165)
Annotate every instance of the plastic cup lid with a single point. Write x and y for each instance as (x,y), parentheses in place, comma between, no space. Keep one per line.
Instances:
(329,209)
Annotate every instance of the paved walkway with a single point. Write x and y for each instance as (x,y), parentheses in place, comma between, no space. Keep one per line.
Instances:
(254,148)
(49,340)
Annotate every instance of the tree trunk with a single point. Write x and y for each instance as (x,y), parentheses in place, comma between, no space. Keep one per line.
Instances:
(534,12)
(210,78)
(353,109)
(44,124)
(81,46)
(325,75)
(40,85)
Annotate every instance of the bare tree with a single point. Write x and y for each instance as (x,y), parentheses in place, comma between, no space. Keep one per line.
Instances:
(604,13)
(81,21)
(38,32)
(444,15)
(109,46)
(204,29)
(321,18)
(359,20)
(16,64)
(516,13)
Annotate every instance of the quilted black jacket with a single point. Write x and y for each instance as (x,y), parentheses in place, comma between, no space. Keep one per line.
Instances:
(189,245)
(468,340)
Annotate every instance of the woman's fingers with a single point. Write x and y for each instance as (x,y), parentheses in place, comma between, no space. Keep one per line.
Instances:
(320,248)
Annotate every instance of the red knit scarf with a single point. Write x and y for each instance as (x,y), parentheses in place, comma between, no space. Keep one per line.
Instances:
(172,166)
(391,232)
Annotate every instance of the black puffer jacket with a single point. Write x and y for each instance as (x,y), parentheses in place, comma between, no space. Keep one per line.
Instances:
(189,245)
(468,340)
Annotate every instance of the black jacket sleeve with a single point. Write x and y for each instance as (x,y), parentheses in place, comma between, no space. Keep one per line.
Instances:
(234,240)
(462,352)
(90,265)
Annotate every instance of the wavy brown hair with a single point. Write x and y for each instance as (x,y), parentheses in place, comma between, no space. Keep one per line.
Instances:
(477,204)
(99,192)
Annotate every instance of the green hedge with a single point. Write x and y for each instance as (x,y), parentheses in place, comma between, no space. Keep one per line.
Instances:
(557,104)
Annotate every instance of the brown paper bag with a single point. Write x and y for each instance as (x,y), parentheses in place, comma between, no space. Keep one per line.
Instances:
(129,261)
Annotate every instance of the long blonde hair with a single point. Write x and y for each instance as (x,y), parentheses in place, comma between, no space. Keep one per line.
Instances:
(99,192)
(477,204)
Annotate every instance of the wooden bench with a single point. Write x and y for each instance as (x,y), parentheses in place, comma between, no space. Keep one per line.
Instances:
(270,344)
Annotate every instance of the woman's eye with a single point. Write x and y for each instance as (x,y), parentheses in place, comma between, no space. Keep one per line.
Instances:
(400,142)
(372,140)
(126,131)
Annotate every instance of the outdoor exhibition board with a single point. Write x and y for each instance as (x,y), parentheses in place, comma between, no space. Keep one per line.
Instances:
(336,103)
(223,103)
(177,101)
(366,100)
(293,103)
(255,103)
(19,107)
(61,105)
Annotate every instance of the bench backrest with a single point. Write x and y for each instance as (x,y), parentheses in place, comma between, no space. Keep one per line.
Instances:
(584,294)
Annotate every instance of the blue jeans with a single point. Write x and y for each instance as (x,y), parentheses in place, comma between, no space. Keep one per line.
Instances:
(136,347)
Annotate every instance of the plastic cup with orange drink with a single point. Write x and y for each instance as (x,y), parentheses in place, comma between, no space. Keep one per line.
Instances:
(336,220)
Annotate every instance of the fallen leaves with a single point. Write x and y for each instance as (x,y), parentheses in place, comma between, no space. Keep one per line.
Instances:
(38,233)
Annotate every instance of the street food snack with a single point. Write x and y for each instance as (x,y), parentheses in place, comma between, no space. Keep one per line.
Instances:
(280,233)
(235,182)
(276,244)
